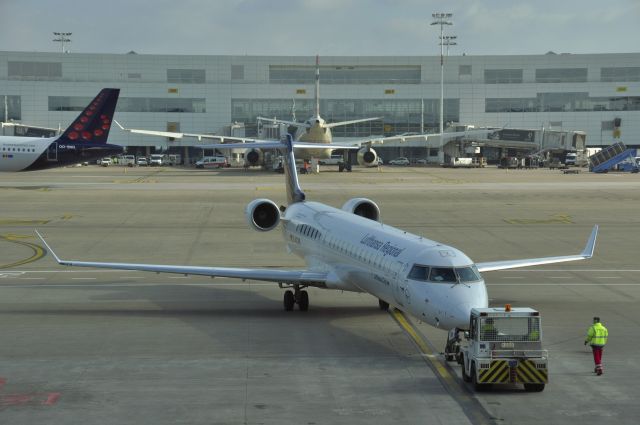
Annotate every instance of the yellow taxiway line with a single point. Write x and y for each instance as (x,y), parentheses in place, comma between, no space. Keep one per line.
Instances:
(471,406)
(38,251)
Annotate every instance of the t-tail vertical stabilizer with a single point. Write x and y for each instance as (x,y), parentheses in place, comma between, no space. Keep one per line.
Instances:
(294,192)
(317,94)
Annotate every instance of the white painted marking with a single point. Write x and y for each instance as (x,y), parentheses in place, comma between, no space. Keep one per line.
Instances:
(563,284)
(32,278)
(84,278)
(512,277)
(132,277)
(608,277)
(68,271)
(4,275)
(559,277)
(135,285)
(574,270)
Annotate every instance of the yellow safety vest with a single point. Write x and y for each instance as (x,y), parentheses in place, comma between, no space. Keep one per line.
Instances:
(597,335)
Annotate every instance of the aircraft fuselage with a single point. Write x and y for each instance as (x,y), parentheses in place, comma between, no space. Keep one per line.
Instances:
(368,256)
(317,133)
(28,154)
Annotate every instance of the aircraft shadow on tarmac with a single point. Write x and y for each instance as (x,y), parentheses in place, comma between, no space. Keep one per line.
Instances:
(225,315)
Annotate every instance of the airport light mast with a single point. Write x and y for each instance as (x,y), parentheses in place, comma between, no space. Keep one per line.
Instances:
(62,37)
(442,20)
(448,40)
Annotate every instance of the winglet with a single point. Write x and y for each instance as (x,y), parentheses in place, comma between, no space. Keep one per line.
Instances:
(58,260)
(591,243)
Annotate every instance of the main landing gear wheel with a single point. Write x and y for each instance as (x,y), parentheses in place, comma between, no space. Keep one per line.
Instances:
(297,296)
(303,301)
(289,300)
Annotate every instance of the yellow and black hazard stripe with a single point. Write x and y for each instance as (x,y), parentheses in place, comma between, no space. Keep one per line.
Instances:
(498,372)
(528,373)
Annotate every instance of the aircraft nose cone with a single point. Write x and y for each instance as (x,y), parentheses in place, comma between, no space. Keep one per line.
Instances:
(461,315)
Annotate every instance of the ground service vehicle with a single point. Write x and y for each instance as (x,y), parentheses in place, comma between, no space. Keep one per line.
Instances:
(157,159)
(399,161)
(334,160)
(142,161)
(213,162)
(174,159)
(128,160)
(459,162)
(504,346)
(105,162)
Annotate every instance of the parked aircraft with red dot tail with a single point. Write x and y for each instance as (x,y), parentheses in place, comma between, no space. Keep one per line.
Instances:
(84,140)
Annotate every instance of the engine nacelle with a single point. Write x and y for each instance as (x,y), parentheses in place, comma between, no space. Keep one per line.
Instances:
(253,157)
(367,157)
(363,207)
(262,214)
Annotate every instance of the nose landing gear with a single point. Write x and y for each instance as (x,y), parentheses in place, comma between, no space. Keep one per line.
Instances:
(452,348)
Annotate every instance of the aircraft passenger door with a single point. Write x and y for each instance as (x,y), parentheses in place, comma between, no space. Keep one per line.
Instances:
(52,152)
(400,292)
(404,269)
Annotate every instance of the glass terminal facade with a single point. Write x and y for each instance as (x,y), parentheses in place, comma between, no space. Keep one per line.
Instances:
(597,93)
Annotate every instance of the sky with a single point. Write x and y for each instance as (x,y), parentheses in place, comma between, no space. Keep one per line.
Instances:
(325,27)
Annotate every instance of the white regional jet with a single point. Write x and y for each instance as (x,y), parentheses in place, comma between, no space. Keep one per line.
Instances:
(84,140)
(350,249)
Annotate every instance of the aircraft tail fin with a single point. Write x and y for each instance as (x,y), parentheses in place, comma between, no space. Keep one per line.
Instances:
(285,147)
(317,93)
(94,122)
(294,191)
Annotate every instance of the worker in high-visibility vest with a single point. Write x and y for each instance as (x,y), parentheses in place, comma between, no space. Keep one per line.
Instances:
(597,337)
(488,331)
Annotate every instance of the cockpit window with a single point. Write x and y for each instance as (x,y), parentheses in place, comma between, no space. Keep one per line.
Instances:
(419,273)
(468,274)
(442,274)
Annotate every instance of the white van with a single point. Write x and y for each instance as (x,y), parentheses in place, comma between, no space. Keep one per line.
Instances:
(128,160)
(213,162)
(571,158)
(157,159)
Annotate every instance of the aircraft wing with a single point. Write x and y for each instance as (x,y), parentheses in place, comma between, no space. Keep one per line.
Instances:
(307,125)
(586,253)
(338,124)
(416,137)
(293,123)
(175,135)
(275,144)
(270,275)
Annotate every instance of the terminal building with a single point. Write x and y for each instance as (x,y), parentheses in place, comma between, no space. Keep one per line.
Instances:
(596,94)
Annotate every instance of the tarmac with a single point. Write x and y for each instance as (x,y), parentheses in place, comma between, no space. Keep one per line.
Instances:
(95,347)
